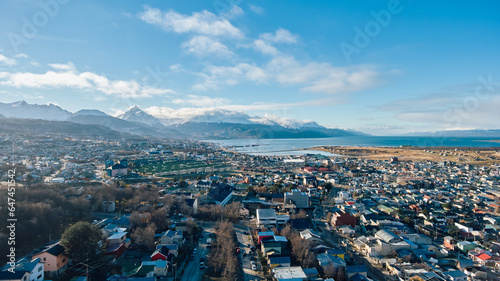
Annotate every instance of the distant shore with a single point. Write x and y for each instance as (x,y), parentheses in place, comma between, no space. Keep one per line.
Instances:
(474,155)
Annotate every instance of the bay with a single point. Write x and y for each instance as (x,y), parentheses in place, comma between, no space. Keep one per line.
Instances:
(296,146)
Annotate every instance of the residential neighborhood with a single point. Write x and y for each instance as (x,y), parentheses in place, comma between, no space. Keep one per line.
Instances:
(313,218)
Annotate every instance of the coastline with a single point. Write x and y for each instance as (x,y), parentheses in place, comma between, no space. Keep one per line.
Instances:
(471,155)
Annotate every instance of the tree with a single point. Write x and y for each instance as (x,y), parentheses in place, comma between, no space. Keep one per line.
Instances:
(80,240)
(409,221)
(341,275)
(144,236)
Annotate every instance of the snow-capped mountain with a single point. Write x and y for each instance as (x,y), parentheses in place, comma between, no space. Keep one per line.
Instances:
(275,120)
(175,117)
(23,110)
(185,123)
(136,114)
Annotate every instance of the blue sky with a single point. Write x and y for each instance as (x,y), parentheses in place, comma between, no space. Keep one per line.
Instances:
(382,67)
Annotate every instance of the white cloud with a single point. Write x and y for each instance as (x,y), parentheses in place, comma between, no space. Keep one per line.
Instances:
(286,70)
(68,77)
(280,36)
(205,23)
(206,46)
(265,48)
(256,9)
(7,61)
(235,11)
(65,67)
(217,76)
(266,40)
(21,55)
(201,101)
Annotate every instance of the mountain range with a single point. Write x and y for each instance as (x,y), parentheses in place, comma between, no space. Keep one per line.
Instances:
(205,124)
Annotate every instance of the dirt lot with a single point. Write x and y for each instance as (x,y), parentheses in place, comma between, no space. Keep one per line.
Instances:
(475,155)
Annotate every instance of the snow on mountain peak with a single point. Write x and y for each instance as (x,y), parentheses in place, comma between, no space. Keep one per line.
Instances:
(273,119)
(24,110)
(136,114)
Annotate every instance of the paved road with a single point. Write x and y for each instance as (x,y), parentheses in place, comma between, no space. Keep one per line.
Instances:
(192,271)
(245,240)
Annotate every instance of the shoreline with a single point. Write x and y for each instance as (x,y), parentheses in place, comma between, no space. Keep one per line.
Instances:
(471,155)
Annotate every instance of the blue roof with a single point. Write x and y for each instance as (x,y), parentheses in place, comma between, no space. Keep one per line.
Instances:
(455,274)
(310,271)
(7,275)
(276,260)
(356,268)
(335,252)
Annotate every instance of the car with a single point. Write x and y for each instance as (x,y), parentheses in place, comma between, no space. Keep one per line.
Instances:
(244,232)
(194,251)
(252,263)
(238,250)
(244,254)
(254,267)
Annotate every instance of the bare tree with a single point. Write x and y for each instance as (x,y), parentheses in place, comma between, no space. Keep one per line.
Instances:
(145,236)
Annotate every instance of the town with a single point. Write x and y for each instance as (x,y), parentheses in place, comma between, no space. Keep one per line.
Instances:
(153,209)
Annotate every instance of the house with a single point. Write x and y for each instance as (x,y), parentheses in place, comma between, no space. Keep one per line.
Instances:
(347,230)
(117,238)
(157,268)
(265,234)
(29,270)
(161,253)
(297,198)
(485,260)
(116,250)
(172,237)
(117,170)
(173,249)
(311,273)
(54,259)
(266,217)
(16,276)
(336,253)
(274,246)
(278,262)
(221,194)
(449,243)
(325,260)
(455,275)
(356,269)
(310,235)
(341,218)
(289,273)
(466,246)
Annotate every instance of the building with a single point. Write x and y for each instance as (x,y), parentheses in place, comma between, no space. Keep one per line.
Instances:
(117,170)
(54,259)
(108,206)
(341,218)
(298,198)
(117,238)
(172,237)
(266,217)
(29,270)
(289,273)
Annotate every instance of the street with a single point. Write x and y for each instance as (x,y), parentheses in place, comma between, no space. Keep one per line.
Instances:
(245,240)
(192,271)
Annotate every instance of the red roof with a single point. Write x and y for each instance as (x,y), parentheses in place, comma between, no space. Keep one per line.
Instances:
(484,257)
